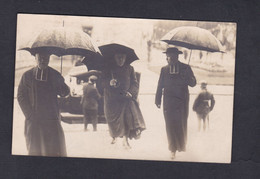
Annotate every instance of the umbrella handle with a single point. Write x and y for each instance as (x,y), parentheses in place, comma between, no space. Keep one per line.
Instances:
(61,56)
(190,56)
(112,74)
(61,65)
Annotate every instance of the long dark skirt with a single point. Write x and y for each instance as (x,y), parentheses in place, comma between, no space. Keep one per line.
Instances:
(45,138)
(124,118)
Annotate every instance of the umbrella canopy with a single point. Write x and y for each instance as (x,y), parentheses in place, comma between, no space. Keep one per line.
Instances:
(62,41)
(92,62)
(106,61)
(109,50)
(193,38)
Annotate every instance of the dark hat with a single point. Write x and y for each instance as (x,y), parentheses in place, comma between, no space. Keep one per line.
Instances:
(203,83)
(173,50)
(93,78)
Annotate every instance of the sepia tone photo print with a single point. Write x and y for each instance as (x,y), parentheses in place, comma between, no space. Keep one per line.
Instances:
(122,88)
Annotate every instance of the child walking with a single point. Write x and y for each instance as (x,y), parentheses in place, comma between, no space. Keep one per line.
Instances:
(201,105)
(89,103)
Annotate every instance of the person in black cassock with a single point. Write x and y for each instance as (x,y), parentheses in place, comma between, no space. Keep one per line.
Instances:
(173,85)
(121,109)
(89,102)
(37,97)
(201,105)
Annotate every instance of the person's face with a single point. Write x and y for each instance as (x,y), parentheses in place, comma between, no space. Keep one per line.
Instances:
(42,60)
(120,59)
(203,86)
(172,58)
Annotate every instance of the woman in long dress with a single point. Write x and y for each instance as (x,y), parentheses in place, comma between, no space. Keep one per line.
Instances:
(120,101)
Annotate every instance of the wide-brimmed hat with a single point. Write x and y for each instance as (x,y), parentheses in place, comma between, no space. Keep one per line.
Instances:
(173,50)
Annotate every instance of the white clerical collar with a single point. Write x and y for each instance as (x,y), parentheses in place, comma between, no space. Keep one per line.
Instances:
(41,75)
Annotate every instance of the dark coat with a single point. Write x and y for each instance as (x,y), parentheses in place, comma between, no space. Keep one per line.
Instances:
(38,101)
(123,114)
(90,97)
(174,88)
(201,104)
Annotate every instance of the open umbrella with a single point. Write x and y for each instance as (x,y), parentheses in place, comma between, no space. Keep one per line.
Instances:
(193,38)
(62,41)
(107,59)
(109,50)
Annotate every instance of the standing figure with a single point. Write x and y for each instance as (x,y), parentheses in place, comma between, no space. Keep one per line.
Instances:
(37,97)
(201,105)
(89,103)
(121,109)
(173,85)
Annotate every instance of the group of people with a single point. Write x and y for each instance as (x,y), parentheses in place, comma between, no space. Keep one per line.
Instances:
(39,87)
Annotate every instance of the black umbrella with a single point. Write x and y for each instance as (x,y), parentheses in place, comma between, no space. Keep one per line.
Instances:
(94,62)
(106,61)
(108,51)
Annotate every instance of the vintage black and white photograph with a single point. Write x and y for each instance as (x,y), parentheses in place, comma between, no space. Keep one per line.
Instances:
(124,88)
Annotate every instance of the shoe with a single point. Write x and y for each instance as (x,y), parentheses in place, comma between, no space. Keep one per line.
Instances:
(172,155)
(126,144)
(138,134)
(127,147)
(113,140)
